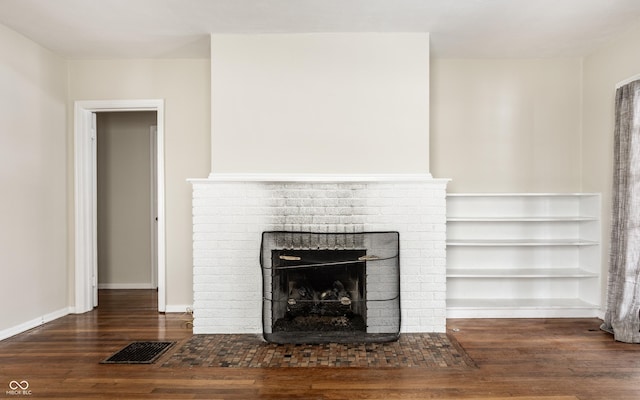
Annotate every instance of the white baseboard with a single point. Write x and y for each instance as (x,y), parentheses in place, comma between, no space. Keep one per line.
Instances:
(126,286)
(178,308)
(25,326)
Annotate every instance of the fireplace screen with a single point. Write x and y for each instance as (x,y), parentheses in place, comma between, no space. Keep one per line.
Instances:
(330,287)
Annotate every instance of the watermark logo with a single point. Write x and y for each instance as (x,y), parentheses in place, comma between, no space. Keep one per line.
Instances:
(18,388)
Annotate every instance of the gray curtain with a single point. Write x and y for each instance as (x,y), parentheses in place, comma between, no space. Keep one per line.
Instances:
(623,302)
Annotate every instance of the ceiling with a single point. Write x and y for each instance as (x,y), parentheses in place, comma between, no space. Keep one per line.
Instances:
(459,28)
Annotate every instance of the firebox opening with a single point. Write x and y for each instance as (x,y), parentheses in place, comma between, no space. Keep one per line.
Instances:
(330,287)
(319,290)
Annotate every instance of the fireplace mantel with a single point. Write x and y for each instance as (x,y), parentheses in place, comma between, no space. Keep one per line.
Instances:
(320,178)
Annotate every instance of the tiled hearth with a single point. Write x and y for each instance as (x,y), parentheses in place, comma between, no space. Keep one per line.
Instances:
(412,350)
(230,213)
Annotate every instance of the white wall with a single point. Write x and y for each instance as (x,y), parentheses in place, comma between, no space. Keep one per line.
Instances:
(33,239)
(124,199)
(320,103)
(502,125)
(184,85)
(602,71)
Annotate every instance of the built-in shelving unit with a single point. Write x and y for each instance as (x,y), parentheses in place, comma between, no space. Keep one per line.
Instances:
(523,255)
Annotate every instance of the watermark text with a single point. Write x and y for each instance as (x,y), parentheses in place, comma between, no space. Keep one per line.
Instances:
(18,388)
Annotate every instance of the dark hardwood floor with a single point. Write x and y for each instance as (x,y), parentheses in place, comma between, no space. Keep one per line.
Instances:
(527,359)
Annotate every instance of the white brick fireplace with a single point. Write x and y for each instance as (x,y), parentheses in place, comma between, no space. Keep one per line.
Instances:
(231,211)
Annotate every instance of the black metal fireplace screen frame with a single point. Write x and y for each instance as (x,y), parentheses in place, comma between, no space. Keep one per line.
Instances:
(369,312)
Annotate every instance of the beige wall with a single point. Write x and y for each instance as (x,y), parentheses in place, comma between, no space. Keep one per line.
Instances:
(602,71)
(33,239)
(184,85)
(124,199)
(506,125)
(320,103)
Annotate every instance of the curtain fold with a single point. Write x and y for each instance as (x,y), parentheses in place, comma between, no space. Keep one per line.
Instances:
(622,317)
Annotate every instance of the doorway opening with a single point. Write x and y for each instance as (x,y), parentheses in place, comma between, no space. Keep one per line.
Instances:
(126,206)
(86,214)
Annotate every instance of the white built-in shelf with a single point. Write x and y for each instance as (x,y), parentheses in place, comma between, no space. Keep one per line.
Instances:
(559,303)
(521,242)
(524,194)
(505,273)
(523,308)
(522,219)
(523,255)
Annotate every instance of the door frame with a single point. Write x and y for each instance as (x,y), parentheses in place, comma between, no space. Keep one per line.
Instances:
(153,168)
(85,197)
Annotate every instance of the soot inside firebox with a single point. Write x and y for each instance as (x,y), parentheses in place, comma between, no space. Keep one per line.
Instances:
(319,291)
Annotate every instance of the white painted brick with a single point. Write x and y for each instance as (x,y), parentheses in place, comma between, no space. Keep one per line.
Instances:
(230,217)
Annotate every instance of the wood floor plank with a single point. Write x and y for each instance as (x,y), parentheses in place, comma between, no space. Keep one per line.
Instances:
(226,383)
(517,359)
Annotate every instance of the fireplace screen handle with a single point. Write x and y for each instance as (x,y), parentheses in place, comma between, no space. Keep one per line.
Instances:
(290,258)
